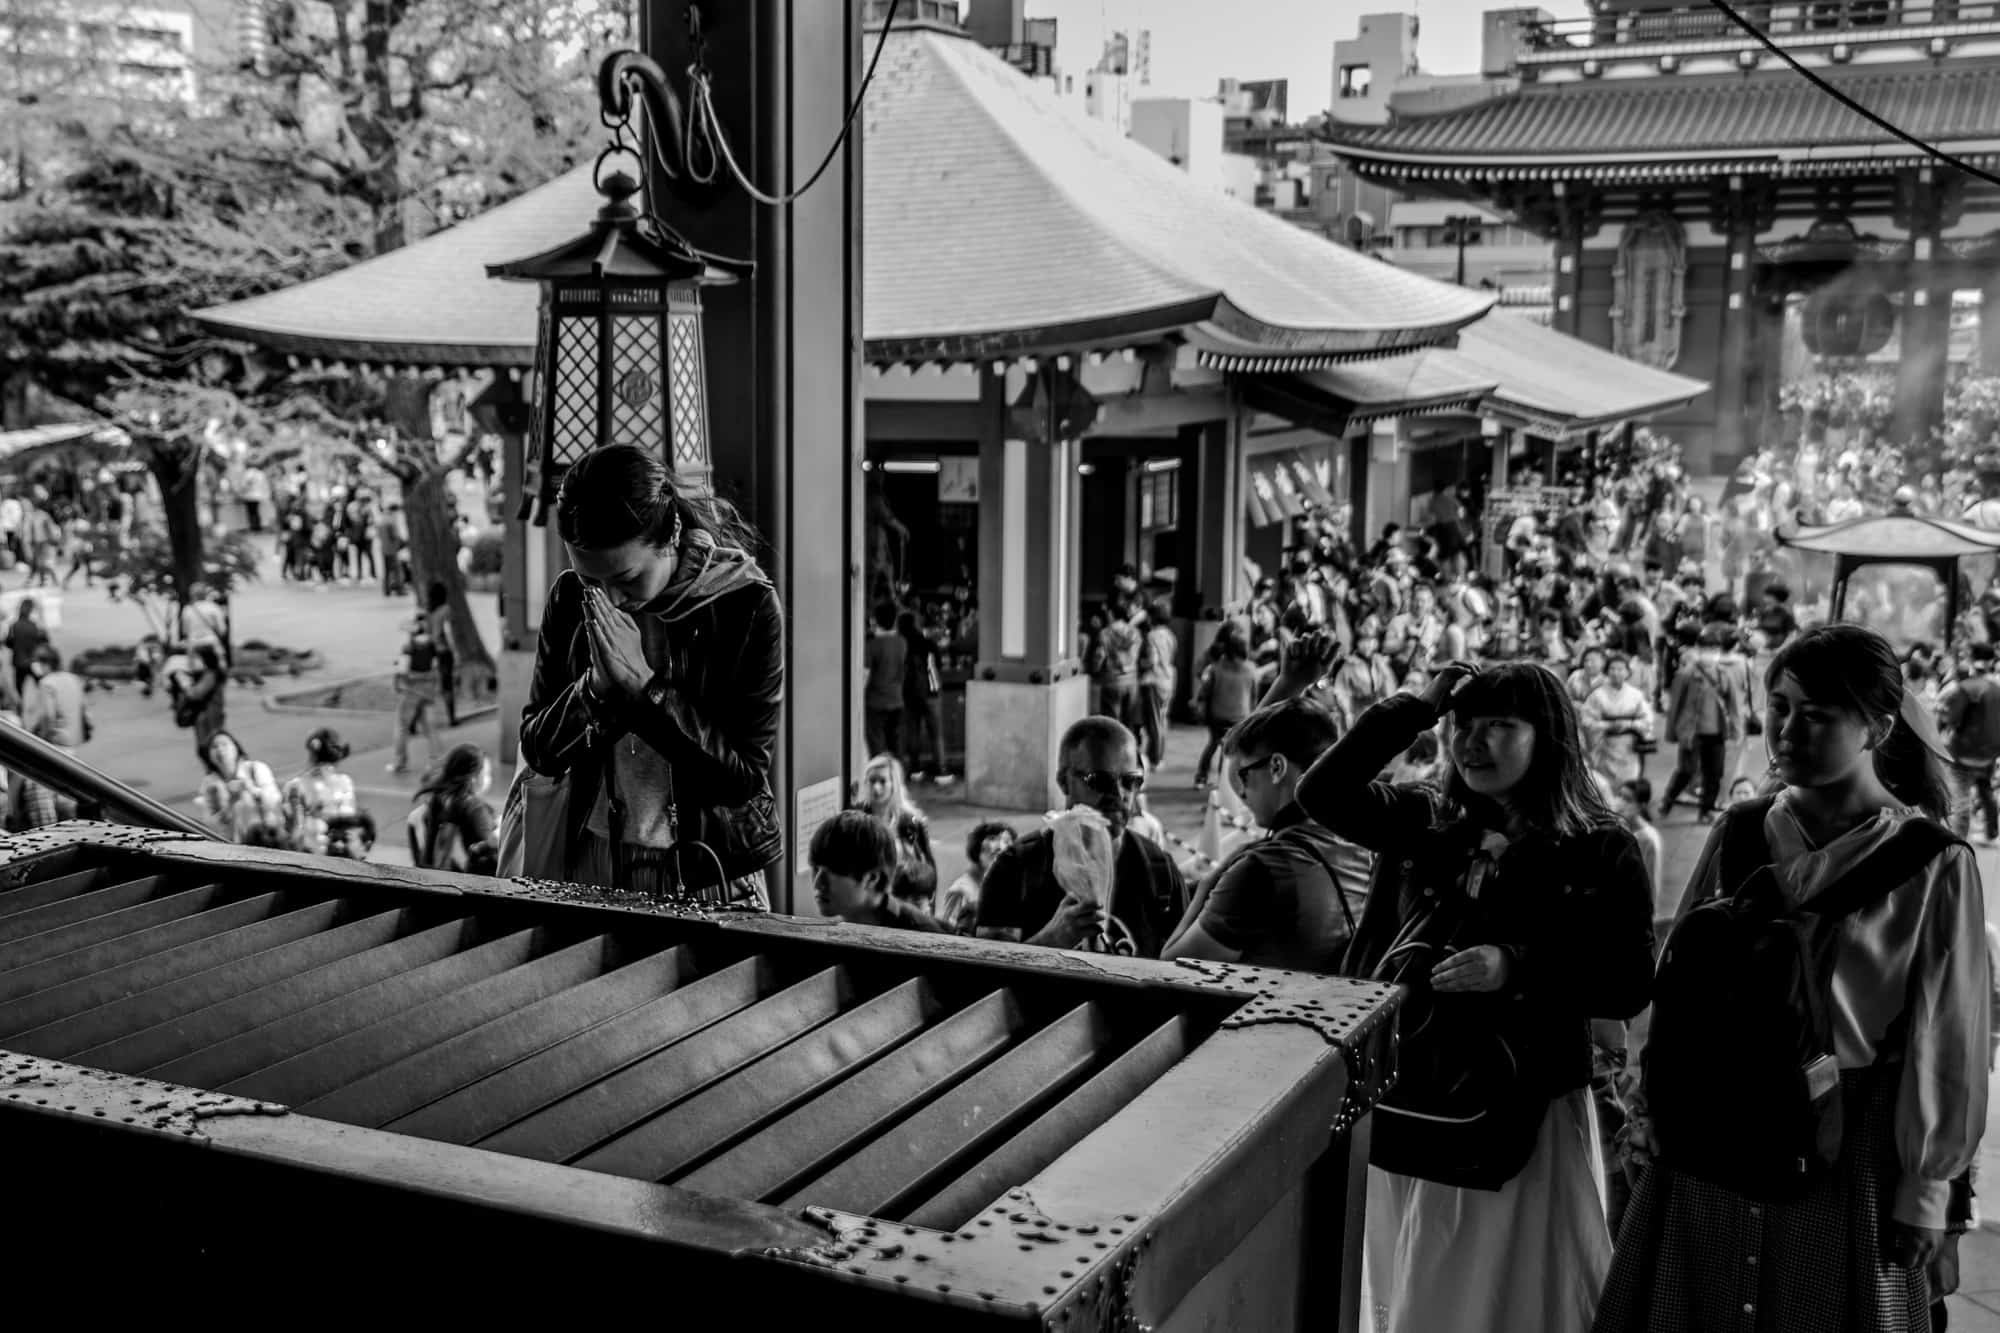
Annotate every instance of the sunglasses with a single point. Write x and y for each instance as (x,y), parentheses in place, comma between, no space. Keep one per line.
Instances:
(1243,771)
(1106,783)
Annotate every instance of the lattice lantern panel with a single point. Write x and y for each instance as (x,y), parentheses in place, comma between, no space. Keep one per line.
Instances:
(622,365)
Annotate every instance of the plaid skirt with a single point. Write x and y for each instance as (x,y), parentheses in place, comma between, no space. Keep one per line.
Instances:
(656,873)
(1696,1258)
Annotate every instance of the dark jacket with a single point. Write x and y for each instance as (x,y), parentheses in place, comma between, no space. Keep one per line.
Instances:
(723,668)
(1575,912)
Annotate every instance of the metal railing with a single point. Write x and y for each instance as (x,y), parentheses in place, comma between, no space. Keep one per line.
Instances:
(98,795)
(1815,19)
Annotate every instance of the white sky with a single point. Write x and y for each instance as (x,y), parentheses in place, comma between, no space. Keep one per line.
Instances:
(1197,42)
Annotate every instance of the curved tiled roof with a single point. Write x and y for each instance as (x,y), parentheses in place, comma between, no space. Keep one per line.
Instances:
(993,177)
(996,223)
(1764,113)
(1511,366)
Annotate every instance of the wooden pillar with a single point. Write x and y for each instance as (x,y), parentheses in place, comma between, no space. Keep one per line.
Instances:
(1028,686)
(784,358)
(1928,199)
(1740,209)
(1214,548)
(1192,600)
(1569,236)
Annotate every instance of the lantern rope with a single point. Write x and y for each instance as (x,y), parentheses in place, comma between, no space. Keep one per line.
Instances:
(707,125)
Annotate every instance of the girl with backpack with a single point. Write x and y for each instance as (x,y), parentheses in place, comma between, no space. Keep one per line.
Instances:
(1516,909)
(1805,1124)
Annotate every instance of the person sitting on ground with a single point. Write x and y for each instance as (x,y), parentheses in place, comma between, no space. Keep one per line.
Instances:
(959,908)
(853,858)
(1288,899)
(451,826)
(240,795)
(1024,899)
(322,814)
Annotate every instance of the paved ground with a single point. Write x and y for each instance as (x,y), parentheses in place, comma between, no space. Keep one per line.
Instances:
(358,632)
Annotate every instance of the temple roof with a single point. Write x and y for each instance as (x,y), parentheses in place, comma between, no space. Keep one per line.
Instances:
(1511,367)
(1549,380)
(996,223)
(1668,125)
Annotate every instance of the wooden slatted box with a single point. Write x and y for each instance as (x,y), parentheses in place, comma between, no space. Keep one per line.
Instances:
(223,1060)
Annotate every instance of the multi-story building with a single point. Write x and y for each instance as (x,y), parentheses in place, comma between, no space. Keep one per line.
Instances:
(1378,80)
(64,62)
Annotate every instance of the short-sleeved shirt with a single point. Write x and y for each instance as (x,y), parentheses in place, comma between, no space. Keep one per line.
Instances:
(1148,894)
(1279,900)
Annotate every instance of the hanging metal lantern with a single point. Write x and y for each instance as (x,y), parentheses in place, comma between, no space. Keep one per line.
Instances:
(618,350)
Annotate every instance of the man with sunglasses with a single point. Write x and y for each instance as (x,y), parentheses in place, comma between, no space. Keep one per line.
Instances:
(1097,768)
(1283,900)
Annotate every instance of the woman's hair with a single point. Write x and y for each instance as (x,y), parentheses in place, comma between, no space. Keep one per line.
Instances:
(899,786)
(209,655)
(976,839)
(1557,794)
(1230,641)
(454,774)
(208,752)
(1849,667)
(45,654)
(621,491)
(326,747)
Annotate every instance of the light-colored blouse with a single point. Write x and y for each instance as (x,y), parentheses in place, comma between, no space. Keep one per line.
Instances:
(1913,962)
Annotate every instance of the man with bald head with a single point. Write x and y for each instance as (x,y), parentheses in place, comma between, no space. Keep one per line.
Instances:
(1097,768)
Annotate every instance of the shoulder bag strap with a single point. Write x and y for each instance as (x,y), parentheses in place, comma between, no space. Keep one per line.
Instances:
(1905,852)
(1339,885)
(1745,850)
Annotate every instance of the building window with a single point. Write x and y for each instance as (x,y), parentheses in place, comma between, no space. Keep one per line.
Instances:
(1159,500)
(1355,80)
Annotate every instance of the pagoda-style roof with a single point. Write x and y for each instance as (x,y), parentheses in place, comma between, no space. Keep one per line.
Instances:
(1664,127)
(997,223)
(1551,382)
(1506,366)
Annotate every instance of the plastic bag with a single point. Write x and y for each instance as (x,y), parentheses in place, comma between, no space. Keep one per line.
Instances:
(1084,855)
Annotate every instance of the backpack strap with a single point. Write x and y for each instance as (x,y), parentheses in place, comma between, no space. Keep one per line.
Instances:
(1745,850)
(1905,852)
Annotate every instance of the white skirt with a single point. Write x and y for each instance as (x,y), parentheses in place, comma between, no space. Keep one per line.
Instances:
(1527,1258)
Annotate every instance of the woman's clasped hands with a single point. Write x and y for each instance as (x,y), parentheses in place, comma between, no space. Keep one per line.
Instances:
(617,652)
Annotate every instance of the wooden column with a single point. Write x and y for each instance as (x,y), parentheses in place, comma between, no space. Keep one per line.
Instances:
(1569,237)
(1928,200)
(1740,208)
(784,357)
(1028,685)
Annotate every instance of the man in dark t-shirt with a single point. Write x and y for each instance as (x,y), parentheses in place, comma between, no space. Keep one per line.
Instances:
(1022,900)
(1291,898)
